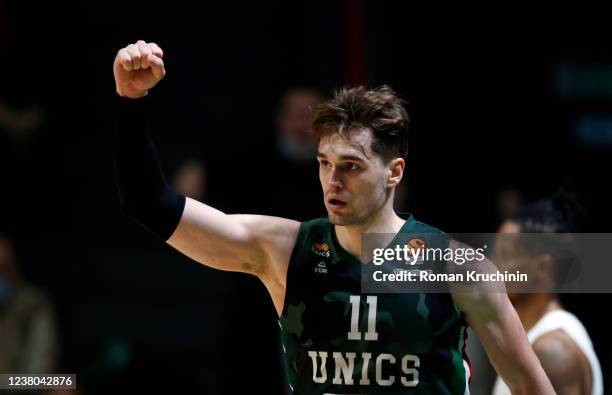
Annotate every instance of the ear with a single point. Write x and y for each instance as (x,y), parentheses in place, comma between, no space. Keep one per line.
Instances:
(395,170)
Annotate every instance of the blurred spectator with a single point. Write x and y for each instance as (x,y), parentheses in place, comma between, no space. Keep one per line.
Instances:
(509,200)
(287,166)
(29,341)
(19,123)
(293,138)
(190,180)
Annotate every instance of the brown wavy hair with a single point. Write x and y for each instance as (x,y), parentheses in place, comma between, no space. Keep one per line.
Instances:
(379,109)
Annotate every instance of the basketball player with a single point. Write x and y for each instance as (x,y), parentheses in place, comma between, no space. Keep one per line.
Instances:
(559,339)
(336,340)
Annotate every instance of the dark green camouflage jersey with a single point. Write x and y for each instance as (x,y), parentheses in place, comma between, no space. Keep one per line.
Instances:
(340,341)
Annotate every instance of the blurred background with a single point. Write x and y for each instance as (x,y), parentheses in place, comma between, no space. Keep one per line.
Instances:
(505,109)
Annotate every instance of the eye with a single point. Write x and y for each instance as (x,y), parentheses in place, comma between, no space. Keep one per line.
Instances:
(352,166)
(324,163)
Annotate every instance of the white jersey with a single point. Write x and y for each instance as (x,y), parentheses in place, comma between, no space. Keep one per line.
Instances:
(567,322)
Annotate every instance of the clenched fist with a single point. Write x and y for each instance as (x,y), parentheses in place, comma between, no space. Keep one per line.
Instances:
(138,68)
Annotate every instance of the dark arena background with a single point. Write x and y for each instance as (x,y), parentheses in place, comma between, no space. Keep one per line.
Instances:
(506,107)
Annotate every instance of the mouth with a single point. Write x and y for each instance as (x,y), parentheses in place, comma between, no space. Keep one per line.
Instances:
(335,203)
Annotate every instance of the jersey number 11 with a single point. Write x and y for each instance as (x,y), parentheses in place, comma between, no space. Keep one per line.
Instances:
(371,334)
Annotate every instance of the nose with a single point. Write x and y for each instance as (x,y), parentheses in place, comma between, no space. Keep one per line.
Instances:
(334,180)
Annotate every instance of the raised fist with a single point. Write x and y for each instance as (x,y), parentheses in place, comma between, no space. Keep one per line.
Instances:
(138,68)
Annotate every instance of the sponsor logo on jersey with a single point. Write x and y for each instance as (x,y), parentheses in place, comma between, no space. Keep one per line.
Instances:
(321,268)
(416,247)
(321,249)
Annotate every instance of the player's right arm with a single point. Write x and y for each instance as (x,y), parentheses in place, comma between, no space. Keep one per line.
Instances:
(253,244)
(486,308)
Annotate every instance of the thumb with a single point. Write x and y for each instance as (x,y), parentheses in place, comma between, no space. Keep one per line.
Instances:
(157,66)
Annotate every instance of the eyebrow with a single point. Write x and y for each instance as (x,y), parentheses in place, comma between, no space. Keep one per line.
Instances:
(342,157)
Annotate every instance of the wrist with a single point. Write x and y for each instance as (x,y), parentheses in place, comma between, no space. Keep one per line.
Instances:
(132,95)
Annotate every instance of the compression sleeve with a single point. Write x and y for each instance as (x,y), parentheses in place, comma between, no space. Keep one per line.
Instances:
(144,194)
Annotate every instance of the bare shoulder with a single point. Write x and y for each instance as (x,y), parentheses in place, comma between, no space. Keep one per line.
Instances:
(564,363)
(559,355)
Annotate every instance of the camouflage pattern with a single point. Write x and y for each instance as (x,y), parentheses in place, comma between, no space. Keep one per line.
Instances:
(316,322)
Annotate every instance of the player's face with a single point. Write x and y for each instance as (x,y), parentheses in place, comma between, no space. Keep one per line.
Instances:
(509,256)
(354,179)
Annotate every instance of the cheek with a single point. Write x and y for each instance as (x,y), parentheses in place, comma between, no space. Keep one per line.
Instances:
(323,175)
(378,182)
(370,187)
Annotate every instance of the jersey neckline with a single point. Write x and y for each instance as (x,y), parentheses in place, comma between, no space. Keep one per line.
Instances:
(406,228)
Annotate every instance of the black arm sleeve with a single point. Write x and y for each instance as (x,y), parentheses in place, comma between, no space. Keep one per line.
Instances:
(144,193)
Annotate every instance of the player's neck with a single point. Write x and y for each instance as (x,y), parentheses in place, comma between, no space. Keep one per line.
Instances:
(385,221)
(531,308)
